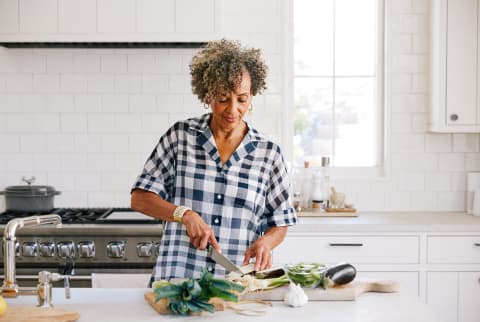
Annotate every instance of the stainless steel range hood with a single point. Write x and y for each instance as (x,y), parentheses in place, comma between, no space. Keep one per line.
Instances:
(103,44)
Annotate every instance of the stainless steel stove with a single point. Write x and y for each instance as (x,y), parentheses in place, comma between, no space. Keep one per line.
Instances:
(90,240)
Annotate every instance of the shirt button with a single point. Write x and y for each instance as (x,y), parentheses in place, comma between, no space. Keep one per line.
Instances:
(219,196)
(216,221)
(210,268)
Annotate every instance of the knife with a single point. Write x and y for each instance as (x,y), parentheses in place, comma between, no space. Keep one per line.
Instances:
(223,261)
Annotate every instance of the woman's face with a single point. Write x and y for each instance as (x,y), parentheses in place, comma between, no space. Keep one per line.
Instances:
(228,109)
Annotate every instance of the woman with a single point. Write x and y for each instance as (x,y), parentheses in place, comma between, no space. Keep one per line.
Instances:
(214,179)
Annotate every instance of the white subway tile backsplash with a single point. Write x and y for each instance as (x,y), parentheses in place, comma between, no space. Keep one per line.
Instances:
(101,123)
(100,161)
(437,142)
(61,143)
(100,83)
(128,84)
(438,181)
(142,103)
(19,83)
(38,16)
(33,143)
(472,162)
(59,63)
(86,143)
(49,162)
(60,103)
(155,84)
(412,182)
(8,16)
(88,103)
(8,103)
(140,63)
(46,83)
(86,63)
(451,201)
(10,143)
(73,162)
(451,162)
(114,63)
(115,103)
(85,120)
(463,142)
(71,83)
(73,122)
(89,182)
(19,162)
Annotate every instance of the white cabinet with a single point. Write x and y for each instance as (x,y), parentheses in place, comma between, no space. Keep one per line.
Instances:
(110,20)
(454,104)
(454,293)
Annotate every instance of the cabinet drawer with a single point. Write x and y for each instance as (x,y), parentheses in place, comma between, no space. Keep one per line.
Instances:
(454,249)
(352,249)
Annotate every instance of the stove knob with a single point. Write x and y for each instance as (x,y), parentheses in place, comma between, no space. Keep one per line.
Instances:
(66,249)
(86,249)
(29,249)
(116,249)
(17,249)
(144,249)
(47,249)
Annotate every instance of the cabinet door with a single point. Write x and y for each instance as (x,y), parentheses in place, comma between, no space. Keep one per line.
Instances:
(442,295)
(461,62)
(468,297)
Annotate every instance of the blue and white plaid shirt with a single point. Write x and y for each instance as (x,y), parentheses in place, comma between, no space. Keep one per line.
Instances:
(239,199)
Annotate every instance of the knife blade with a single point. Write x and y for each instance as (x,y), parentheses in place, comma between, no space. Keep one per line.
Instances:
(223,261)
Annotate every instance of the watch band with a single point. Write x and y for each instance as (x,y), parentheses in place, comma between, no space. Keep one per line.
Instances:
(179,212)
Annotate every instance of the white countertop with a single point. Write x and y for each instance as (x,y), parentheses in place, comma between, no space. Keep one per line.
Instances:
(121,305)
(391,222)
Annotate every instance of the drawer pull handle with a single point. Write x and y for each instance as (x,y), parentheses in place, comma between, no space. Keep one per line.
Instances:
(346,244)
(476,244)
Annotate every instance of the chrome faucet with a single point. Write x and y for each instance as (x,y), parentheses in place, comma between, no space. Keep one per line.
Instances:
(10,287)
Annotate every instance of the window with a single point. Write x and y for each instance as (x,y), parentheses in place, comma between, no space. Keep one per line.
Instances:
(338,82)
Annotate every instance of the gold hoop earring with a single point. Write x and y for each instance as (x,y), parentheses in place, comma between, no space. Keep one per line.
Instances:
(250,109)
(206,106)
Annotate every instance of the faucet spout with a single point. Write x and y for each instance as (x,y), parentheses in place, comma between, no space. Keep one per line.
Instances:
(10,287)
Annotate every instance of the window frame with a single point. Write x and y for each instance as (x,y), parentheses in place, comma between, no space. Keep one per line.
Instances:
(380,169)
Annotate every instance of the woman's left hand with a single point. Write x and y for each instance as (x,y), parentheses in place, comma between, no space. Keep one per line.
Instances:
(262,248)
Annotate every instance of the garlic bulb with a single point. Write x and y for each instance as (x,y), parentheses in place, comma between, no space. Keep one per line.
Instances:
(295,296)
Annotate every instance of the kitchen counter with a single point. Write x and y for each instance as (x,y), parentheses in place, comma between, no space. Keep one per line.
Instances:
(129,305)
(390,222)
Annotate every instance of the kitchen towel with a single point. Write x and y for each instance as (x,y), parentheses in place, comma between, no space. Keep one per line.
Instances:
(100,280)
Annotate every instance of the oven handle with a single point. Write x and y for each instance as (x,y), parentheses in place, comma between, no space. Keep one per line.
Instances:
(35,277)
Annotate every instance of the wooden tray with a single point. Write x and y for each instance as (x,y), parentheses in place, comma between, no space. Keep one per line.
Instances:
(38,314)
(348,292)
(331,212)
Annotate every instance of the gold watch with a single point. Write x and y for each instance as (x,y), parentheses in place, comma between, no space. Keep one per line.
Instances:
(179,212)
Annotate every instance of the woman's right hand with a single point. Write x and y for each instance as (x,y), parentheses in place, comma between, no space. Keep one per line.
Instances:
(199,232)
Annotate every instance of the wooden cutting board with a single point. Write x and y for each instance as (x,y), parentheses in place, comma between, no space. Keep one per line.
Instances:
(348,292)
(38,314)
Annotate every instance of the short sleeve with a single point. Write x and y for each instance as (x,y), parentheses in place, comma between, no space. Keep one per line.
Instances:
(159,170)
(278,208)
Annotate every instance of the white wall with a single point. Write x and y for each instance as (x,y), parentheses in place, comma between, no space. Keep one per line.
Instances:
(84,120)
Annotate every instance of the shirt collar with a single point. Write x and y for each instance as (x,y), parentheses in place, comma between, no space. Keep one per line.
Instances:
(199,125)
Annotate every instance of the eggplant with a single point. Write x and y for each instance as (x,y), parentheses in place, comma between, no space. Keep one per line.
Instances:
(340,274)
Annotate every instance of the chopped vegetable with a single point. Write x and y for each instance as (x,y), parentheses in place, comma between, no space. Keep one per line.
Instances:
(193,295)
(306,275)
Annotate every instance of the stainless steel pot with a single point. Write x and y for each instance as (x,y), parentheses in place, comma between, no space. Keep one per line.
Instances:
(29,198)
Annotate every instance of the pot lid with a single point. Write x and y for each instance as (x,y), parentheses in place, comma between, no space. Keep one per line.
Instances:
(30,191)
